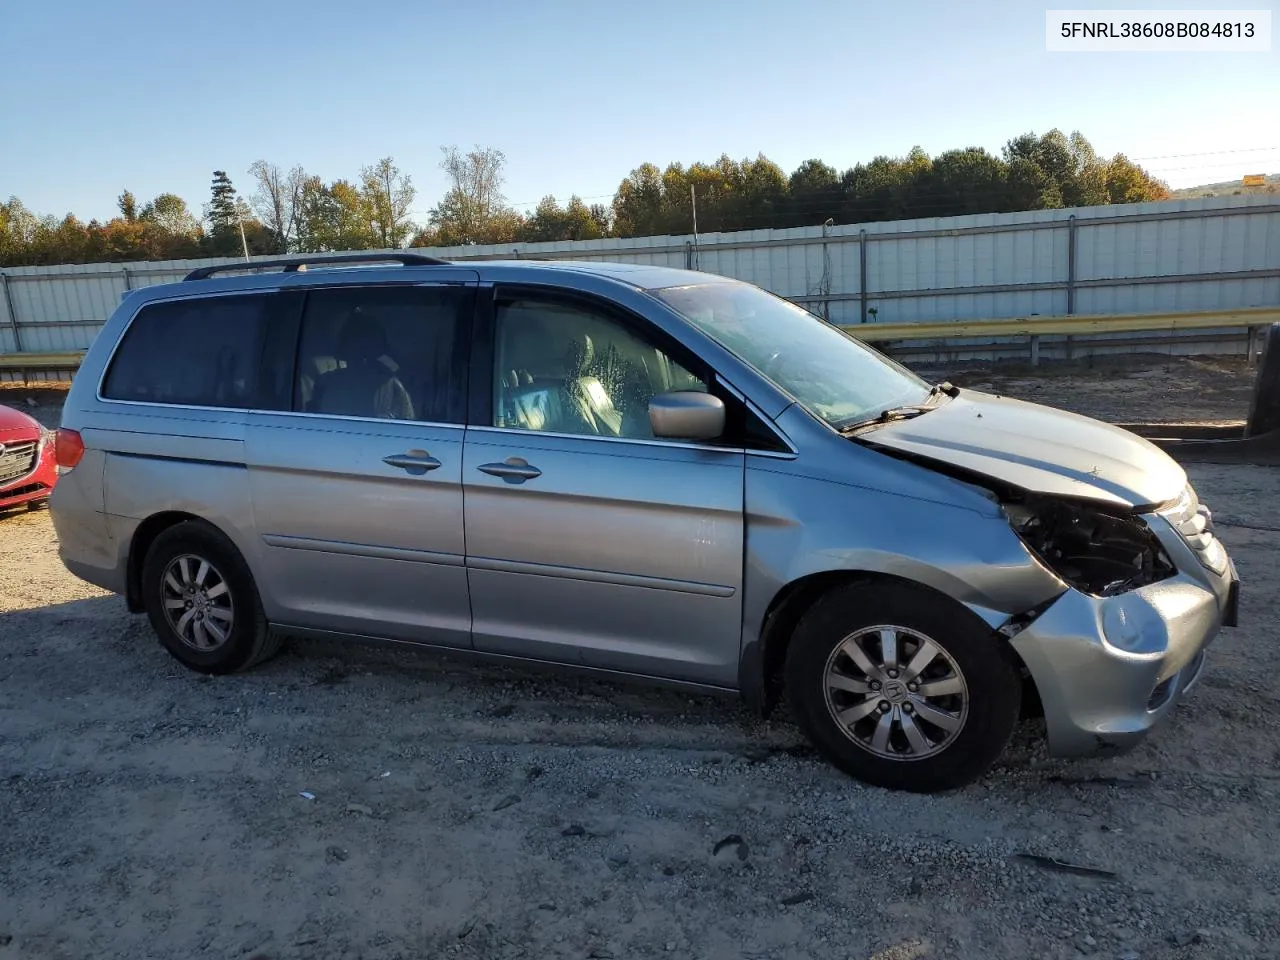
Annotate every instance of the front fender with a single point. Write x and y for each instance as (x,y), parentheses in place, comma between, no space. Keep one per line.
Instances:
(897,520)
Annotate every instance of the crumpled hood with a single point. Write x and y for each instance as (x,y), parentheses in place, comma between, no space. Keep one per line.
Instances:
(1037,448)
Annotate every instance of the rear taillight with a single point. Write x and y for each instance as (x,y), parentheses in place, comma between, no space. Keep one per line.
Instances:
(68,448)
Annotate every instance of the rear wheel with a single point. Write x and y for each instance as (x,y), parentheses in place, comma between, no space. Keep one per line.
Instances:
(202,601)
(901,687)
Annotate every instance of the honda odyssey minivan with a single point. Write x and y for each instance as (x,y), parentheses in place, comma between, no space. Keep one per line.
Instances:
(642,472)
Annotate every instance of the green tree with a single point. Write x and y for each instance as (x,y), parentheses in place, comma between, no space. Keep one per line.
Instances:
(1054,170)
(169,213)
(550,221)
(333,217)
(813,194)
(637,203)
(226,214)
(221,211)
(967,181)
(602,214)
(128,205)
(887,188)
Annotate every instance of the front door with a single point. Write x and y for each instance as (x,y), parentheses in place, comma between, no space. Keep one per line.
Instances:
(357,487)
(588,540)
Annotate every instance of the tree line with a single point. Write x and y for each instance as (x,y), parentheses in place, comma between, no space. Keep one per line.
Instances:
(289,211)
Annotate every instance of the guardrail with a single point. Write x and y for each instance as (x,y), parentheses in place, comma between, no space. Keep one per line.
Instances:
(28,364)
(1251,319)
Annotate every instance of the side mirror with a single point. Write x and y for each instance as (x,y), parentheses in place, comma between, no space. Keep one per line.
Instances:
(686,415)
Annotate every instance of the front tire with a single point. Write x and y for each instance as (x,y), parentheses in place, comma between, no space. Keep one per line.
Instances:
(202,601)
(901,687)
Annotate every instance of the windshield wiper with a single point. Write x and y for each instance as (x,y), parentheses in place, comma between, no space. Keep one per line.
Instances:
(904,412)
(884,416)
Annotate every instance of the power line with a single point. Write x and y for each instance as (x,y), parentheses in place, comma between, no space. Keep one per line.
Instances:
(1211,153)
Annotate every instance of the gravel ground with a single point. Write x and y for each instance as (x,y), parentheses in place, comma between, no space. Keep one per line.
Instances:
(362,802)
(1145,388)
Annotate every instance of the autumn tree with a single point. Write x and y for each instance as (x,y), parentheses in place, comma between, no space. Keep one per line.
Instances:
(473,209)
(1126,182)
(294,211)
(18,227)
(389,196)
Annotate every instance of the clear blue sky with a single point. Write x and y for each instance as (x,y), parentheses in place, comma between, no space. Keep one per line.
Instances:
(154,95)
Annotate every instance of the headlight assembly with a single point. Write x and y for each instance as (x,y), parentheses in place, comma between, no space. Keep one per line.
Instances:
(1096,551)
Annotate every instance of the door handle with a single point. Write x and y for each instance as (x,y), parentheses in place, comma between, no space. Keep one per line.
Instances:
(416,462)
(513,470)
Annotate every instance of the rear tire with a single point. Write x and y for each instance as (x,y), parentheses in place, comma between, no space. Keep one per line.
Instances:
(202,601)
(901,687)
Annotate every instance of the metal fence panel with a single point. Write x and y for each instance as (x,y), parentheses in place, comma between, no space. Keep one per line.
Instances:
(1210,253)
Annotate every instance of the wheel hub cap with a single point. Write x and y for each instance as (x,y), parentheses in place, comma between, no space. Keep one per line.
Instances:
(197,603)
(895,692)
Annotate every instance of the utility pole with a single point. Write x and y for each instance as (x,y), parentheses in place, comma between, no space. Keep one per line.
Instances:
(244,245)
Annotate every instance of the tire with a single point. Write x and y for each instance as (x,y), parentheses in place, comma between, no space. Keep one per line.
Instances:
(220,627)
(946,724)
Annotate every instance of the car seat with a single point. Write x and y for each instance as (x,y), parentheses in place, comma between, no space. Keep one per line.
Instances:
(366,385)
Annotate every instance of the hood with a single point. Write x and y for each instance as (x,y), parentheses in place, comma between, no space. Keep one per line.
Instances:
(16,425)
(1037,448)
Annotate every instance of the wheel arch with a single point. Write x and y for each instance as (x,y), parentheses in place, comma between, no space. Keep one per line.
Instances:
(761,673)
(140,544)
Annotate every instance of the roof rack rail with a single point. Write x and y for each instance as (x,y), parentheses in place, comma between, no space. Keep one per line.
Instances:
(294,264)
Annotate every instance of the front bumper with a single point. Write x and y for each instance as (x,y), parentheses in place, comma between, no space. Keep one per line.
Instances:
(1099,698)
(34,486)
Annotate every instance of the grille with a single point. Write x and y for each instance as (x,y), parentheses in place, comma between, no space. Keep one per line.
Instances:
(21,491)
(1194,524)
(17,460)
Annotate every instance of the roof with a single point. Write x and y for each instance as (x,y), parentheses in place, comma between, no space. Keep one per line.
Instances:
(642,275)
(581,274)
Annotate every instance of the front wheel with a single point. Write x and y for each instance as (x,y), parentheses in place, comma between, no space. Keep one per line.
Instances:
(901,687)
(202,601)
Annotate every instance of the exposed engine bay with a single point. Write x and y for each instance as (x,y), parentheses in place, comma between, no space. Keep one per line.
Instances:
(1097,552)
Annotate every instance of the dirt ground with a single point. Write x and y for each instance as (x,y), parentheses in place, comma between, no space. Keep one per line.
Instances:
(1149,389)
(355,802)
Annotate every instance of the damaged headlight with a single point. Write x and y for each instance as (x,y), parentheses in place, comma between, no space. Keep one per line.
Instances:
(1098,552)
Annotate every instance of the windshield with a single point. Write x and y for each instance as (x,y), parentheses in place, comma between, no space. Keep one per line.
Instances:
(830,374)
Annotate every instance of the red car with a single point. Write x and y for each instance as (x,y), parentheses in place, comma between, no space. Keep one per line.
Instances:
(27,468)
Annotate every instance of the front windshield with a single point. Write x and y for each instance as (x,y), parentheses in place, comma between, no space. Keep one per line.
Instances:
(830,374)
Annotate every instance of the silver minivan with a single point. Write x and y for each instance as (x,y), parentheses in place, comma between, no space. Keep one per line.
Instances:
(642,472)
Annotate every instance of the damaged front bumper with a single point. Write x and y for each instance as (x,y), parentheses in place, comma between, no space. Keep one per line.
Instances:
(1108,669)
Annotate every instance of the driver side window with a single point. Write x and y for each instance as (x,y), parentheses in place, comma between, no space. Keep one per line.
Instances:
(566,368)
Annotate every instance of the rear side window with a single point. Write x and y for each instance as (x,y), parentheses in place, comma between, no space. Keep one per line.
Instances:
(200,352)
(389,352)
